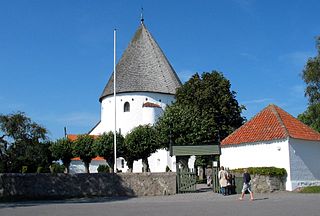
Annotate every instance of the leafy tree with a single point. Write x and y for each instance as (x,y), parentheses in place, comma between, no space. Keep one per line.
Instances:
(22,143)
(140,143)
(83,147)
(103,146)
(62,150)
(205,111)
(311,76)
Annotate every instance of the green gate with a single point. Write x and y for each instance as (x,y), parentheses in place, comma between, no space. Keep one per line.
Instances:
(186,181)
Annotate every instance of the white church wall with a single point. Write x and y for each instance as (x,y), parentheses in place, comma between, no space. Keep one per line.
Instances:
(137,115)
(304,163)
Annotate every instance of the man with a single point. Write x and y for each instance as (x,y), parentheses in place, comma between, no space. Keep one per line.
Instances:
(246,185)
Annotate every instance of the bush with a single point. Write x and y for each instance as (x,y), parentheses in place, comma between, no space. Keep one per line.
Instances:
(24,169)
(103,168)
(270,171)
(57,168)
(310,189)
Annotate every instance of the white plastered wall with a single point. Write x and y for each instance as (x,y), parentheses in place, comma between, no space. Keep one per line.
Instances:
(304,163)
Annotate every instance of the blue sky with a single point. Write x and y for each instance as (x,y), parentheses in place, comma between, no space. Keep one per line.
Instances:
(57,55)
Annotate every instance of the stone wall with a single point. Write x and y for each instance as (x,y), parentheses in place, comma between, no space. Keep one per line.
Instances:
(265,184)
(60,186)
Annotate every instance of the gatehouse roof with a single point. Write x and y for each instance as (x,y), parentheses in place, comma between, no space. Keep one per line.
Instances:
(143,67)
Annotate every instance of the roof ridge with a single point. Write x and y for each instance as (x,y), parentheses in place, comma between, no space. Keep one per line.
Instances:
(275,111)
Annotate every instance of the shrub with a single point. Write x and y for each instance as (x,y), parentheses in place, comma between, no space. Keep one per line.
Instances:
(103,168)
(270,171)
(24,169)
(57,168)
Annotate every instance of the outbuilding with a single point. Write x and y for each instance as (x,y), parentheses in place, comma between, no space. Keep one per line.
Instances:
(275,138)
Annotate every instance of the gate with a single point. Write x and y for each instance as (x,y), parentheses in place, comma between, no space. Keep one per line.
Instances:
(186,181)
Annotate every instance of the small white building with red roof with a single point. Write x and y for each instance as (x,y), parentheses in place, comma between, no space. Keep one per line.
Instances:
(275,138)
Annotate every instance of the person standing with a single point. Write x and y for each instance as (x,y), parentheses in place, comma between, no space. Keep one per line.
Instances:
(223,180)
(246,185)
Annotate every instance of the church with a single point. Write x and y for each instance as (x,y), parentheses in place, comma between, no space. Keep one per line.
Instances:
(145,84)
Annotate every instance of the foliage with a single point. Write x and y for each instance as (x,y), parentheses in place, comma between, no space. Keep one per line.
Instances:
(103,168)
(311,76)
(140,143)
(310,189)
(205,111)
(270,171)
(103,146)
(83,147)
(22,143)
(57,168)
(62,150)
(311,116)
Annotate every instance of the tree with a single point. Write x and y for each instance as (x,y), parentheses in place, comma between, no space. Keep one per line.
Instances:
(205,111)
(140,143)
(311,76)
(103,146)
(62,150)
(83,147)
(22,143)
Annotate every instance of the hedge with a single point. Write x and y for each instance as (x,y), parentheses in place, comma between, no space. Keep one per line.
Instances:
(269,171)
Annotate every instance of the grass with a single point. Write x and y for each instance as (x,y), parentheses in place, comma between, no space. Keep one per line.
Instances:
(310,189)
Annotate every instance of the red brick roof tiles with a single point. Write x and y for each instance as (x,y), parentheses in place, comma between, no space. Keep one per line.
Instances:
(272,123)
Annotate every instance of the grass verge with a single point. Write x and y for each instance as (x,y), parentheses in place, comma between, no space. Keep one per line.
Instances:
(310,189)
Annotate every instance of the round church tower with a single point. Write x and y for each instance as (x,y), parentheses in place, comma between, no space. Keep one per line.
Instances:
(146,84)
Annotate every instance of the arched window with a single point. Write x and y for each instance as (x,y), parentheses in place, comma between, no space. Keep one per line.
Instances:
(126,107)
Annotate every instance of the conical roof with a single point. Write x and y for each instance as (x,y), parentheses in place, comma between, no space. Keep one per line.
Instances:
(143,67)
(272,123)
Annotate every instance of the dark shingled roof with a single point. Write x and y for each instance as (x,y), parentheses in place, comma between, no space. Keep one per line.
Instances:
(143,68)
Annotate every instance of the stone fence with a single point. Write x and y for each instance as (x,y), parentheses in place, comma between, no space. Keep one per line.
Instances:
(264,183)
(17,186)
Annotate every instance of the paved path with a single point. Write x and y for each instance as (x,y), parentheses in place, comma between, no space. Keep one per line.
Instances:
(195,204)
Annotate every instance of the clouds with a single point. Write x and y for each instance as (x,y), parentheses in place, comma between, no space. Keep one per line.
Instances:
(296,58)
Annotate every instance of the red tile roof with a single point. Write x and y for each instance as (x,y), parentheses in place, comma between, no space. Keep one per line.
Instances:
(73,137)
(272,123)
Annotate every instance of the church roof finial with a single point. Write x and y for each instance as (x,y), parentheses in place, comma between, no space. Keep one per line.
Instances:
(142,19)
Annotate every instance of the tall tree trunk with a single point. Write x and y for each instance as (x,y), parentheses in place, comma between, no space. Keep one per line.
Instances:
(86,167)
(145,165)
(67,167)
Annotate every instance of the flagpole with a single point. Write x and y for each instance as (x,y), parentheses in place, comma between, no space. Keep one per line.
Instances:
(115,104)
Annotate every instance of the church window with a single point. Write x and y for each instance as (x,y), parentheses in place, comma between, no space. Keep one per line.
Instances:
(132,99)
(146,99)
(126,107)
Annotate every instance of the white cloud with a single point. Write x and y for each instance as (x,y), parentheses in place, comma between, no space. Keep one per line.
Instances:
(257,101)
(298,58)
(249,56)
(185,75)
(72,119)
